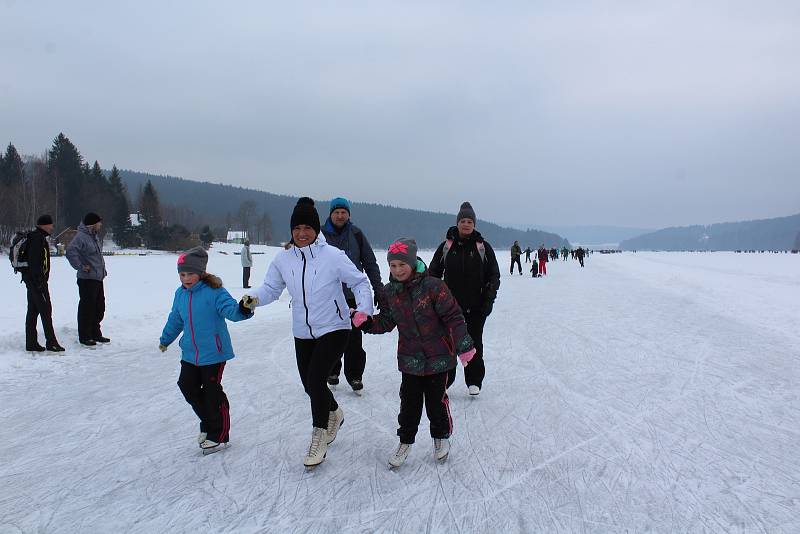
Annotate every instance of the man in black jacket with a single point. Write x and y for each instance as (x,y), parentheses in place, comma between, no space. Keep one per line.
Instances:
(340,232)
(469,267)
(36,277)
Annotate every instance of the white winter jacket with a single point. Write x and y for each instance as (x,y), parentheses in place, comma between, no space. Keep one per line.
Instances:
(314,276)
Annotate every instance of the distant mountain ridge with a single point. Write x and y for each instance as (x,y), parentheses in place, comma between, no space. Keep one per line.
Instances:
(596,234)
(382,224)
(762,234)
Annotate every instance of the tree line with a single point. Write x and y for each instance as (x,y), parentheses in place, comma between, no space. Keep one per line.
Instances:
(174,214)
(227,207)
(62,183)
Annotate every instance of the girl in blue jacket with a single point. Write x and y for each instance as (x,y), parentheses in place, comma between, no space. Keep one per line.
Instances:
(199,310)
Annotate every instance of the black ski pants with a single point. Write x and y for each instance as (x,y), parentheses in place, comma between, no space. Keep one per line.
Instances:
(355,357)
(315,359)
(515,259)
(201,386)
(39,305)
(91,308)
(475,370)
(245,277)
(432,391)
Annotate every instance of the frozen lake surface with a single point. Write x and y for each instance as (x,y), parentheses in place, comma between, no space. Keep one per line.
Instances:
(647,392)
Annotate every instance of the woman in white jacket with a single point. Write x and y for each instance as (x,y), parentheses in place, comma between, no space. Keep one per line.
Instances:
(313,272)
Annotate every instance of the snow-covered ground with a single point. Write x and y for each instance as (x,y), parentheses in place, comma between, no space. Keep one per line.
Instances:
(647,392)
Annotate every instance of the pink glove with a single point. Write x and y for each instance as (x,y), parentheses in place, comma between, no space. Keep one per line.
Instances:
(466,357)
(359,318)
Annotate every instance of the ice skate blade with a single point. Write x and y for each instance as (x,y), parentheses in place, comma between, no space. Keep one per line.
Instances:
(212,450)
(310,468)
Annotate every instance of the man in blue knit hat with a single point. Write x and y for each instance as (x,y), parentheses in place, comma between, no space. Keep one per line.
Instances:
(340,232)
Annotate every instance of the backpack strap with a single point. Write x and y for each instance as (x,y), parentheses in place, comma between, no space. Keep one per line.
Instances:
(448,244)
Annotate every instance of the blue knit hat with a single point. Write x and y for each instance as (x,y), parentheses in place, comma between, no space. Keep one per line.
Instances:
(340,203)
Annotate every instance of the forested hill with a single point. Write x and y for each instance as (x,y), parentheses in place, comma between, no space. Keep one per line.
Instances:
(763,234)
(213,203)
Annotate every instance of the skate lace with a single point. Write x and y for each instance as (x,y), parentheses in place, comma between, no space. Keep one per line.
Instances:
(316,441)
(331,420)
(437,444)
(401,450)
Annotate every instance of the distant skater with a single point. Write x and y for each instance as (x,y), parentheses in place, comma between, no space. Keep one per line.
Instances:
(580,253)
(247,264)
(516,253)
(543,254)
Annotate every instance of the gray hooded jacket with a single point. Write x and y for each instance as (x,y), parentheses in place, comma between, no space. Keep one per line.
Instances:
(85,251)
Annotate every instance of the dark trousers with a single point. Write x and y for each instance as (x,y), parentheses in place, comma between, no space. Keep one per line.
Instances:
(475,370)
(355,357)
(315,358)
(245,276)
(39,305)
(91,308)
(201,386)
(432,390)
(514,260)
(580,260)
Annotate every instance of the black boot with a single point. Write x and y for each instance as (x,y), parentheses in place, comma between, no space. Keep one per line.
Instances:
(34,347)
(55,347)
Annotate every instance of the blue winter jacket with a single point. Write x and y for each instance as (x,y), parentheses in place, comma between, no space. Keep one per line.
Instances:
(199,313)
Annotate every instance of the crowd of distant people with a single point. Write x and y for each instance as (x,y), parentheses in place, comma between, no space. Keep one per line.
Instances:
(542,256)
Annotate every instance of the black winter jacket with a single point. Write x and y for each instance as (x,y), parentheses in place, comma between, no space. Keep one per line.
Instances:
(38,271)
(474,283)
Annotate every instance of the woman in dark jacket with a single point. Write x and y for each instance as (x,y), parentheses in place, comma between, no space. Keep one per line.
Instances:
(469,268)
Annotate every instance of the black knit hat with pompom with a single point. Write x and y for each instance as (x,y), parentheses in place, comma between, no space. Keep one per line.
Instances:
(466,212)
(305,213)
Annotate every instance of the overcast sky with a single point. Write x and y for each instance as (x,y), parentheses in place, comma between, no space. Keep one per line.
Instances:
(644,114)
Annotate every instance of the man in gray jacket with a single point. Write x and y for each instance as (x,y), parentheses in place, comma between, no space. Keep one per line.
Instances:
(247,263)
(85,254)
(344,235)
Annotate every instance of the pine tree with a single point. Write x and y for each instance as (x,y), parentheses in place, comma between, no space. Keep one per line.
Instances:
(14,212)
(11,167)
(66,169)
(150,213)
(119,216)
